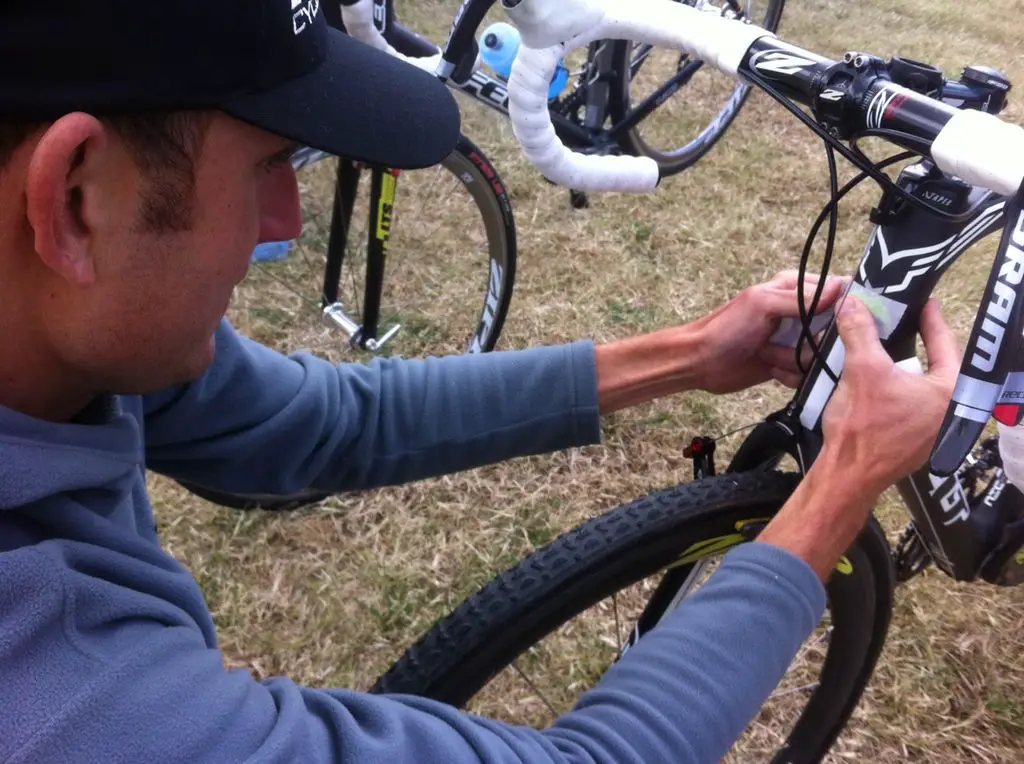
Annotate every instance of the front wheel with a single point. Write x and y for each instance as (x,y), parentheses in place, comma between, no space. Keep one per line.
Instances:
(526,646)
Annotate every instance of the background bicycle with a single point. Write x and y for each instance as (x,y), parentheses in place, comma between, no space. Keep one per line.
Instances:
(334,596)
(412,287)
(617,97)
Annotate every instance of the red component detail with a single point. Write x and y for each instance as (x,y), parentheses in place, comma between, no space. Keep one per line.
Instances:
(895,105)
(498,187)
(696,446)
(1008,414)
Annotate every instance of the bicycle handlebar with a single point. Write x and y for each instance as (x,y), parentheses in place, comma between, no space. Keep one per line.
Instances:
(577,22)
(358,20)
(976,146)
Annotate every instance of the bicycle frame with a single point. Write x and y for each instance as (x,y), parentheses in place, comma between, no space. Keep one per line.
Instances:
(908,252)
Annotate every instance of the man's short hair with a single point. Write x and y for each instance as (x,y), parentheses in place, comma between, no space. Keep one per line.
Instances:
(164,145)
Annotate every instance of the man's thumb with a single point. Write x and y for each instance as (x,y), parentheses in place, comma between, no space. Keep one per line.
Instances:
(857,326)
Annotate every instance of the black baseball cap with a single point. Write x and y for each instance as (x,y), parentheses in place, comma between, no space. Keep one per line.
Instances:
(275,64)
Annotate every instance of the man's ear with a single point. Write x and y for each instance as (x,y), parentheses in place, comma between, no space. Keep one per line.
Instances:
(62,174)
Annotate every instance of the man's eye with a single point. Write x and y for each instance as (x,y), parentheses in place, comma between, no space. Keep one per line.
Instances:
(280,159)
(276,163)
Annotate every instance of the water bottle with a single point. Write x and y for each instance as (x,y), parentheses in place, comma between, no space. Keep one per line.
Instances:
(1011,449)
(271,251)
(499,44)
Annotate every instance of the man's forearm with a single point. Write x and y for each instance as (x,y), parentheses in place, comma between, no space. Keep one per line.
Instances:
(261,423)
(640,369)
(824,515)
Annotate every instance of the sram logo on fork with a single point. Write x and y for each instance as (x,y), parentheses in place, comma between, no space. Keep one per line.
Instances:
(992,358)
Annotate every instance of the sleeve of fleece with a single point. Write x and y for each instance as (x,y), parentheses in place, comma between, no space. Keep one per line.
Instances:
(261,422)
(144,686)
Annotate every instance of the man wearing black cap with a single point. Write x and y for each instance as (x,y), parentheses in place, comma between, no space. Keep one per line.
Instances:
(144,151)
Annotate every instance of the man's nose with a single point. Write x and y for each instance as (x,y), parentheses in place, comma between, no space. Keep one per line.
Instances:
(280,211)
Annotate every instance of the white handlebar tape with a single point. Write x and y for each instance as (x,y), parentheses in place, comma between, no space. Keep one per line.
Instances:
(531,123)
(720,42)
(543,23)
(983,150)
(358,21)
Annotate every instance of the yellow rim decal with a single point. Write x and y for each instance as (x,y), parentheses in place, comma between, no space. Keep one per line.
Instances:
(706,548)
(716,545)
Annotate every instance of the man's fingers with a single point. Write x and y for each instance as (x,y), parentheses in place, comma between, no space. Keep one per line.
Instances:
(939,341)
(789,279)
(829,294)
(783,357)
(782,301)
(786,377)
(857,328)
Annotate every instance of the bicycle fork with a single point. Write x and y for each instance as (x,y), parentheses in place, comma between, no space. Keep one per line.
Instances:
(383,184)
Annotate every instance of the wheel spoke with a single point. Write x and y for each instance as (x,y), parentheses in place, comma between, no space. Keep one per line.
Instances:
(535,688)
(618,629)
(793,690)
(810,644)
(287,284)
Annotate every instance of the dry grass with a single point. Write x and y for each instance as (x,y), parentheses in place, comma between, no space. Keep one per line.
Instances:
(332,595)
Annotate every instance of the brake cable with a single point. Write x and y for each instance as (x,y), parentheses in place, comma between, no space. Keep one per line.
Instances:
(858,159)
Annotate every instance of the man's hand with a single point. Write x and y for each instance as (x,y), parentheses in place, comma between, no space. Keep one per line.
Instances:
(879,427)
(736,353)
(723,352)
(882,421)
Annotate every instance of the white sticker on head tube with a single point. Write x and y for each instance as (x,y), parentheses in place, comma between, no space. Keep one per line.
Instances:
(887,311)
